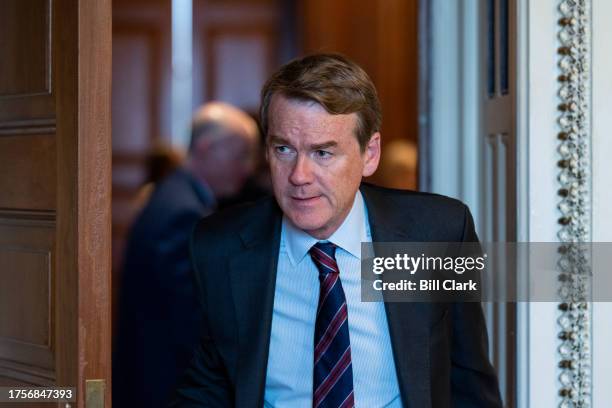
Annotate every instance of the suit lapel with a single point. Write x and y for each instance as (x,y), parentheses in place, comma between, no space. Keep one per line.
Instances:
(253,279)
(408,322)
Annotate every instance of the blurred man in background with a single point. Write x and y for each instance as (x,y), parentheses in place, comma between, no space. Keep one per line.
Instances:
(159,313)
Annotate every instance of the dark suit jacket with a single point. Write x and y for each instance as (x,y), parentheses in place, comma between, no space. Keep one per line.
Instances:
(440,350)
(159,318)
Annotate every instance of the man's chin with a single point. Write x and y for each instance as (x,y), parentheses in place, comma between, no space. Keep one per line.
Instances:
(303,223)
(314,228)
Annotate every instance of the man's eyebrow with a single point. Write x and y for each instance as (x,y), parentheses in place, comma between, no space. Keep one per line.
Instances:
(324,145)
(274,139)
(277,140)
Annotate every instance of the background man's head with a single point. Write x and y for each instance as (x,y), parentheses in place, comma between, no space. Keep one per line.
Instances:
(222,148)
(321,118)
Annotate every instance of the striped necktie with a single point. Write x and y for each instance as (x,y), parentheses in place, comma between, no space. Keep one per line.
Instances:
(333,371)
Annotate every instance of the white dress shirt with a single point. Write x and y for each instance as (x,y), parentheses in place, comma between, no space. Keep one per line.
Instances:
(290,362)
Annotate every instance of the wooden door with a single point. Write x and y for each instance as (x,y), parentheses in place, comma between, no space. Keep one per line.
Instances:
(55,65)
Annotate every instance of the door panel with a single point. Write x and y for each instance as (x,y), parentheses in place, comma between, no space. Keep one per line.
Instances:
(26,98)
(32,189)
(498,196)
(55,201)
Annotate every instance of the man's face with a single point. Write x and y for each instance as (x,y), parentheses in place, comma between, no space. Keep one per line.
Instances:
(224,160)
(231,163)
(316,163)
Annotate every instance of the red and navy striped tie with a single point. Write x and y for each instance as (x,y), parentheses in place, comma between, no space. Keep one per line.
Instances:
(333,371)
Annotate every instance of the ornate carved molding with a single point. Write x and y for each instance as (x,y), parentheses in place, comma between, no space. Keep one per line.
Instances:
(574,205)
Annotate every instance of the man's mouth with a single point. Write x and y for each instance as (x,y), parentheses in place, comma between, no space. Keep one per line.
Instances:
(305,200)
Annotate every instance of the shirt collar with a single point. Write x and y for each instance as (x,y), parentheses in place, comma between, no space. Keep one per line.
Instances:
(353,230)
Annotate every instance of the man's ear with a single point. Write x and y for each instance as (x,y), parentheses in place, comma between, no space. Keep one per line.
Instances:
(371,155)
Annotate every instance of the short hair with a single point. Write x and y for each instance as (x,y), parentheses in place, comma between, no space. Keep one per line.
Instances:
(333,81)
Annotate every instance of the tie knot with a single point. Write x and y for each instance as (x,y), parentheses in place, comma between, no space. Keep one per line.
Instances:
(324,256)
(327,248)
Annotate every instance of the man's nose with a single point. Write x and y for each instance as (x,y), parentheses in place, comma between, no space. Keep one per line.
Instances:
(302,171)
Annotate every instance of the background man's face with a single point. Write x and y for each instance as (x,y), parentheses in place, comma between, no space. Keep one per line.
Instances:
(231,160)
(316,163)
(226,159)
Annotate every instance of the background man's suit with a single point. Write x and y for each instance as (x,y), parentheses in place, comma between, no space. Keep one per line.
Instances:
(159,313)
(440,350)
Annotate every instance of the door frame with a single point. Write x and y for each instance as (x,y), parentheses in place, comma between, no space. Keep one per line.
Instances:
(83,238)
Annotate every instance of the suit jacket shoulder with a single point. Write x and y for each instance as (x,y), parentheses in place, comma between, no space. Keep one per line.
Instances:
(227,233)
(219,232)
(417,216)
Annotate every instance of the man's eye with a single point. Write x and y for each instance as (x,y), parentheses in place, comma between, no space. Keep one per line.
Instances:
(282,149)
(323,154)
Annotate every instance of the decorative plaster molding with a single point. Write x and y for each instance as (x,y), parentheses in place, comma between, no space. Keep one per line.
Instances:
(574,193)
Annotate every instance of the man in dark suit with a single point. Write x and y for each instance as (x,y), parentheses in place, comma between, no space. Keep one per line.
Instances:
(158,323)
(284,325)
